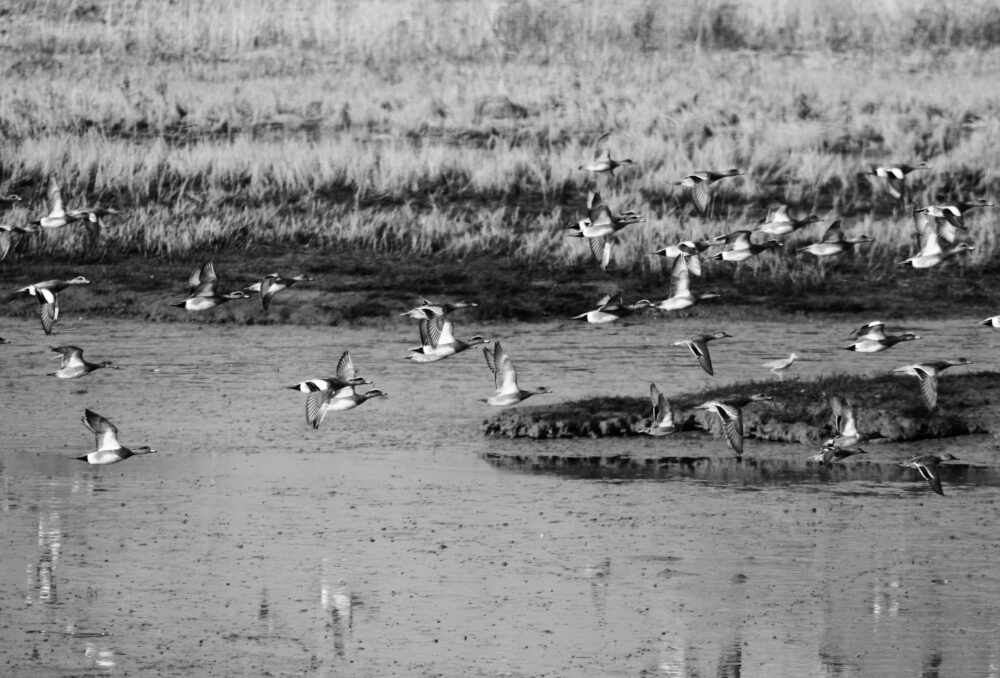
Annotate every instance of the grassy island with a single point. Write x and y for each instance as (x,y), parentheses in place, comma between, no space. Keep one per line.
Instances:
(889,408)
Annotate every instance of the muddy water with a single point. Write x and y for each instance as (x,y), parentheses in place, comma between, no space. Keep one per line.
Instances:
(385,544)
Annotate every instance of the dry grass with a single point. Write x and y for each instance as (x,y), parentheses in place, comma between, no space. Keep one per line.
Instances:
(230,124)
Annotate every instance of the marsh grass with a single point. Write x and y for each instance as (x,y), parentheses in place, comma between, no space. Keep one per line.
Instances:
(363,125)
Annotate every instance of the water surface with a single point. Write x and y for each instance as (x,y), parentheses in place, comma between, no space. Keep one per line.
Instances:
(386,543)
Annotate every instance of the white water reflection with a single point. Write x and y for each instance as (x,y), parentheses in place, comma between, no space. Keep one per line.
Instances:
(383,544)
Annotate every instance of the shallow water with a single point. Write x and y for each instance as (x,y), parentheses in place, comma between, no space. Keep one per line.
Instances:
(388,543)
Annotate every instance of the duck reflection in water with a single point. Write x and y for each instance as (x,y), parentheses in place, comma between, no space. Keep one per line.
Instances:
(731,659)
(339,605)
(598,574)
(42,579)
(264,613)
(687,661)
(931,666)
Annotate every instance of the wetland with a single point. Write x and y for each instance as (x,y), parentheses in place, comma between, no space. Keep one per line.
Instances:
(397,150)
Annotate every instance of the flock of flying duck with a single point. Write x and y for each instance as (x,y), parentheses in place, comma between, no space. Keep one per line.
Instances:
(327,394)
(938,226)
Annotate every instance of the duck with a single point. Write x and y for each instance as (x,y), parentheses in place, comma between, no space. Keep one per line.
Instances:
(57,216)
(336,400)
(600,224)
(931,251)
(834,242)
(780,366)
(739,248)
(932,254)
(94,216)
(202,286)
(345,375)
(873,329)
(830,454)
(698,345)
(871,338)
(781,222)
(603,161)
(271,284)
(681,296)
(845,425)
(927,374)
(73,365)
(927,466)
(109,450)
(952,212)
(663,421)
(698,185)
(601,220)
(505,379)
(993,321)
(730,413)
(430,309)
(47,294)
(894,177)
(9,235)
(690,249)
(437,341)
(610,309)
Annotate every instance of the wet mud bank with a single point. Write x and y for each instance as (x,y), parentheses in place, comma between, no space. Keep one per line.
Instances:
(364,287)
(889,410)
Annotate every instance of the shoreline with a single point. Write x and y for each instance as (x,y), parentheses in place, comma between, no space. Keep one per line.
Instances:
(364,287)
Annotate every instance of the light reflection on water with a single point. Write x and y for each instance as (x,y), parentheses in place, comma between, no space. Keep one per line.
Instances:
(384,544)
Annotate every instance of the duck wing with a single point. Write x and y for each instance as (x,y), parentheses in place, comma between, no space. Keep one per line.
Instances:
(928,385)
(732,426)
(834,234)
(693,263)
(699,195)
(930,473)
(504,374)
(873,330)
(429,329)
(846,419)
(345,367)
(447,333)
(699,349)
(202,282)
(491,362)
(601,249)
(931,232)
(316,406)
(48,308)
(72,356)
(599,212)
(602,150)
(737,240)
(662,412)
(6,240)
(267,290)
(680,280)
(105,433)
(894,184)
(55,198)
